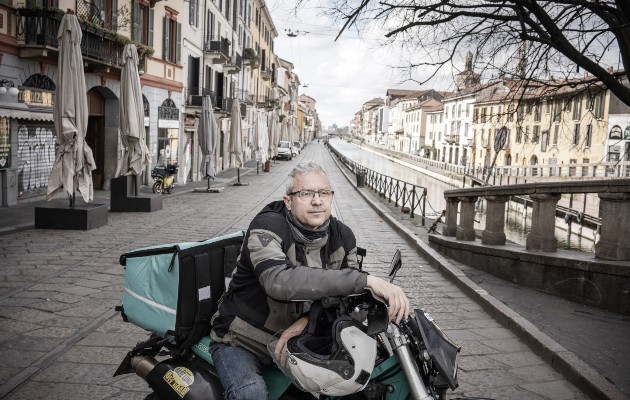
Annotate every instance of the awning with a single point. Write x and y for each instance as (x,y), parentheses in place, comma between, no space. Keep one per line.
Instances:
(21,111)
(30,115)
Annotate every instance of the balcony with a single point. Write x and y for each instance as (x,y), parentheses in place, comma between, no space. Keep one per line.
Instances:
(217,51)
(224,105)
(194,96)
(234,65)
(265,73)
(451,139)
(37,37)
(243,96)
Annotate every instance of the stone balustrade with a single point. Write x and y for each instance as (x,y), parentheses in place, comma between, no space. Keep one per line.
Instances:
(614,198)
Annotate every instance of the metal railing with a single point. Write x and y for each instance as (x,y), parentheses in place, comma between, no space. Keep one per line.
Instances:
(194,95)
(39,28)
(407,196)
(221,46)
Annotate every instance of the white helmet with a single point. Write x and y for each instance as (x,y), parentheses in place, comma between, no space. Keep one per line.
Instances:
(337,363)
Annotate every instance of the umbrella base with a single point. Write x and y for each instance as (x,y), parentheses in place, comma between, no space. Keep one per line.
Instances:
(214,189)
(57,214)
(142,203)
(240,184)
(124,198)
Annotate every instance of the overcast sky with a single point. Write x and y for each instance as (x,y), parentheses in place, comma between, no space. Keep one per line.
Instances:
(341,75)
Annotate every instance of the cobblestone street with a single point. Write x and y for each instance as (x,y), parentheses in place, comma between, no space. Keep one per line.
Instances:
(62,339)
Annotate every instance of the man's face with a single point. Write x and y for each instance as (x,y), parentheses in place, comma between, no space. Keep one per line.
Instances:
(312,211)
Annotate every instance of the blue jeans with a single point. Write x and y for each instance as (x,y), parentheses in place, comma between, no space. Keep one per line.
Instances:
(239,372)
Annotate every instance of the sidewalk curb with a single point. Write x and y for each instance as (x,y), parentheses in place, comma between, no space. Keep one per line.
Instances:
(565,362)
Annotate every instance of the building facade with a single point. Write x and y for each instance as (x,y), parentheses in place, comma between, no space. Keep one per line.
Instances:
(187,50)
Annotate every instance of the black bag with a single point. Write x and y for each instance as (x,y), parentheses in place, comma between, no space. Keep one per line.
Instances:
(172,290)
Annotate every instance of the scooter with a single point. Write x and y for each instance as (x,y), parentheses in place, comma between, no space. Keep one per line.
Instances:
(415,359)
(164,177)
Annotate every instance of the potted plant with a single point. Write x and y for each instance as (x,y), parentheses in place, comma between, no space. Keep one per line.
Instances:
(145,50)
(250,57)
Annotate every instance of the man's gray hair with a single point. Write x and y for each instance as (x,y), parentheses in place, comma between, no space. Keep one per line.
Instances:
(303,168)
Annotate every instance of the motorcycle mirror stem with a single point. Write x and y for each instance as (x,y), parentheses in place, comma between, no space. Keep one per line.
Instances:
(395,265)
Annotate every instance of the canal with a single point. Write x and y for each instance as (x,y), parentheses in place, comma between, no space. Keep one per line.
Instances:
(518,217)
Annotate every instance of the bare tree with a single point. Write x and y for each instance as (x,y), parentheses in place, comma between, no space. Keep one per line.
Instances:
(545,41)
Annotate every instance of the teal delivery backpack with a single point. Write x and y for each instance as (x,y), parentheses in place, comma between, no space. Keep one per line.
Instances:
(172,290)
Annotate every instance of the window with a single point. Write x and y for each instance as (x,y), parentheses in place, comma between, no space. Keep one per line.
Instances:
(577,108)
(467,110)
(210,20)
(172,40)
(537,108)
(483,115)
(557,105)
(143,25)
(589,132)
(585,167)
(526,139)
(475,114)
(193,13)
(545,140)
(536,135)
(548,106)
(556,129)
(519,134)
(576,134)
(598,107)
(567,104)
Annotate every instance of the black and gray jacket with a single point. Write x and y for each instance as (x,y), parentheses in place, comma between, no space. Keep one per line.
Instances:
(273,271)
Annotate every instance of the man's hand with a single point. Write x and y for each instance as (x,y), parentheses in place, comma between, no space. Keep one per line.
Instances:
(294,330)
(393,294)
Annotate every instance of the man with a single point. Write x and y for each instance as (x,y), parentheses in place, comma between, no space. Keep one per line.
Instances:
(294,252)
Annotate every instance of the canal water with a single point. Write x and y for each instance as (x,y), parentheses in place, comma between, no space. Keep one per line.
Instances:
(518,217)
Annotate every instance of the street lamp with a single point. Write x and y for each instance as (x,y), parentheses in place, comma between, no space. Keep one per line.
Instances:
(4,84)
(292,33)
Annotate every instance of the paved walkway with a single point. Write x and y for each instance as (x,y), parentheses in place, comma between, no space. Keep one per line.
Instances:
(61,339)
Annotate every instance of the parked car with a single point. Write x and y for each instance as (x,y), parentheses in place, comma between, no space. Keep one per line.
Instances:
(284,150)
(296,147)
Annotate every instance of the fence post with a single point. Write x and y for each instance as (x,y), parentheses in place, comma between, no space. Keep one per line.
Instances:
(424,204)
(413,199)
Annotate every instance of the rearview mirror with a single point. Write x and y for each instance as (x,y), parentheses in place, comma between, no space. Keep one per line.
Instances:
(395,265)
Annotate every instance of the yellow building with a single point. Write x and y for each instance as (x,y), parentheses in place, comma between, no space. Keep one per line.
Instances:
(543,125)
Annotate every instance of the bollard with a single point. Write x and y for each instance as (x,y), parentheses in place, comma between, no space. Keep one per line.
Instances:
(360,178)
(267,165)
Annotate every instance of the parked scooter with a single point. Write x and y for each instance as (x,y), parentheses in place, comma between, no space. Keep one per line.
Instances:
(164,177)
(413,359)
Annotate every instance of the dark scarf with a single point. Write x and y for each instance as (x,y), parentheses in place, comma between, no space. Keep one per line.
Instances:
(303,234)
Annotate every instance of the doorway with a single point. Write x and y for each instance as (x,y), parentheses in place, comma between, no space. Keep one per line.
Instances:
(95,135)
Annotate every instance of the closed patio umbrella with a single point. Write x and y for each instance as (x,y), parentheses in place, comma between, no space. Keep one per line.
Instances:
(236,139)
(74,161)
(273,133)
(236,134)
(135,155)
(208,138)
(261,136)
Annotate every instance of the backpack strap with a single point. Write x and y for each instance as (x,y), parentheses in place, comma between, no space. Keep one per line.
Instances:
(204,302)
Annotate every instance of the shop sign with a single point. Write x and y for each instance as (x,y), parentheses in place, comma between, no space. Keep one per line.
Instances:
(36,97)
(168,123)
(5,144)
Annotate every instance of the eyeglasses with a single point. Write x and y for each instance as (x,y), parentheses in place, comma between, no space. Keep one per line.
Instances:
(310,194)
